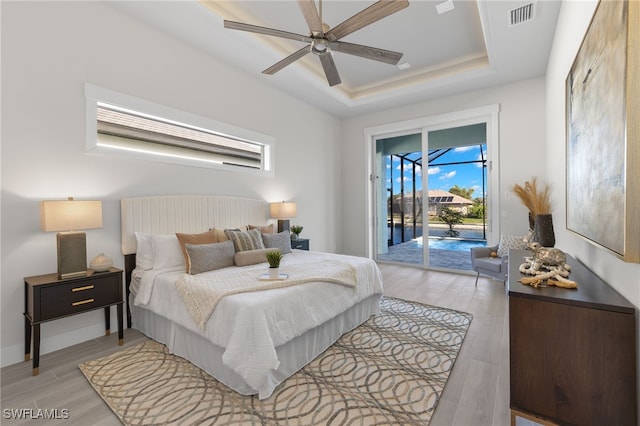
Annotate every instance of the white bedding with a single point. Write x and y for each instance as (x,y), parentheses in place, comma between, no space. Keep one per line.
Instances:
(251,325)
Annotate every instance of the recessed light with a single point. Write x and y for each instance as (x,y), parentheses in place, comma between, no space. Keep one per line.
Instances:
(445,6)
(404,65)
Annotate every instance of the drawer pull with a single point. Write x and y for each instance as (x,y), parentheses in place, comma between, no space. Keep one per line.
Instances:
(86,287)
(82,302)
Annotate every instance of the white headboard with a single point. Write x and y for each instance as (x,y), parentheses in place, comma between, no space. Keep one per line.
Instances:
(186,214)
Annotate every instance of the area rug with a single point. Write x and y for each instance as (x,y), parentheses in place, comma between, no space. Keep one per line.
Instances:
(390,370)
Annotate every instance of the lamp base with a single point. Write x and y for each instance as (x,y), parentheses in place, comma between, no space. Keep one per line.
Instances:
(283,225)
(72,254)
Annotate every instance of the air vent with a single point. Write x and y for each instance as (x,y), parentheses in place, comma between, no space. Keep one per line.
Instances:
(521,14)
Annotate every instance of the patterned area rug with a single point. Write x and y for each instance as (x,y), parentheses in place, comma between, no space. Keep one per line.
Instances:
(390,370)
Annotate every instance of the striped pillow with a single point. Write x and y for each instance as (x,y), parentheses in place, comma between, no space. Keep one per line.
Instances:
(245,240)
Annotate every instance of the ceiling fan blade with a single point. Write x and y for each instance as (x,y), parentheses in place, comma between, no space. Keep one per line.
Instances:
(266,31)
(308,8)
(371,14)
(288,60)
(330,69)
(381,55)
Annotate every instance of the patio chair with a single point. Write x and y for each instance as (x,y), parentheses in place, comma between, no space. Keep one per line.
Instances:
(483,263)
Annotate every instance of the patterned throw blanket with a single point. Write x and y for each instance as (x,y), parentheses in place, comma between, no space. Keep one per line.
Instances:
(201,293)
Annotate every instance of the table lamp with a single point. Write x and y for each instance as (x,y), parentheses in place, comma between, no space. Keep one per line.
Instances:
(70,216)
(283,212)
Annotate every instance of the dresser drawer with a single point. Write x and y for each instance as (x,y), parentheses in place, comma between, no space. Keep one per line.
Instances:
(78,296)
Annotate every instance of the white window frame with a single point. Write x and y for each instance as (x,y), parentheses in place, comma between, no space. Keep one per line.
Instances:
(96,143)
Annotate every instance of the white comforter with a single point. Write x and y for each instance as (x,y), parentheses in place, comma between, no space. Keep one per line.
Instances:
(251,325)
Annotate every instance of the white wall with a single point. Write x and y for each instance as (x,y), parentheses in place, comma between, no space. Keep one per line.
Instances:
(49,50)
(572,25)
(522,151)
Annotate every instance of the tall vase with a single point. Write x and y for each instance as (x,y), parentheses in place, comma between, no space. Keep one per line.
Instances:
(532,221)
(543,230)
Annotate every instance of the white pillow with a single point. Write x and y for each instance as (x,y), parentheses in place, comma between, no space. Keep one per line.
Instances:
(167,252)
(144,252)
(510,242)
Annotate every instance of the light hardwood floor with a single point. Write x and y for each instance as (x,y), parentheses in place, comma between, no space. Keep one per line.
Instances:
(476,394)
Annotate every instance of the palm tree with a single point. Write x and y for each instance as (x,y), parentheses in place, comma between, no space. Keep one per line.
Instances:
(463,192)
(450,217)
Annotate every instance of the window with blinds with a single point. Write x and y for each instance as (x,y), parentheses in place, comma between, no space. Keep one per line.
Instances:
(140,130)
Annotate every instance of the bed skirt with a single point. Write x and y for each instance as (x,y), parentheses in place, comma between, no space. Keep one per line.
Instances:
(292,355)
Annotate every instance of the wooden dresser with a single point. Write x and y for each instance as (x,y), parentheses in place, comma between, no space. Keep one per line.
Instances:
(572,352)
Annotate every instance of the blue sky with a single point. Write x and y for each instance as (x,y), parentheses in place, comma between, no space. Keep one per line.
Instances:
(444,177)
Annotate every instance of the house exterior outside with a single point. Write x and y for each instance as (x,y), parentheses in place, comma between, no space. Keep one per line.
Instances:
(438,199)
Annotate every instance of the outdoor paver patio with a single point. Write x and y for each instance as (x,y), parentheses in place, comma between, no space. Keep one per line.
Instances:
(409,252)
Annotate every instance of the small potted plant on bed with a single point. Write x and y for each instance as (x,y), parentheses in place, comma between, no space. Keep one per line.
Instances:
(273,258)
(295,231)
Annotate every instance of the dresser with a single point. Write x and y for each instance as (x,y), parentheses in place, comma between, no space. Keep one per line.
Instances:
(572,352)
(47,298)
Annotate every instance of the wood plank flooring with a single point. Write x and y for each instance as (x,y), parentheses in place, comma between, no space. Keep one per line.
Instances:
(477,393)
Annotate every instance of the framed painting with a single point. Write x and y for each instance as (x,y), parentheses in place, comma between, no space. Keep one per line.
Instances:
(603,132)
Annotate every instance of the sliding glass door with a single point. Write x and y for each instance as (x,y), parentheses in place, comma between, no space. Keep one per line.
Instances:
(431,193)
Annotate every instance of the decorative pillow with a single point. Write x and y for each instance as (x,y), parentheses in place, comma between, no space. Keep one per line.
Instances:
(510,242)
(208,237)
(220,234)
(166,251)
(209,257)
(144,252)
(281,240)
(251,257)
(245,240)
(265,229)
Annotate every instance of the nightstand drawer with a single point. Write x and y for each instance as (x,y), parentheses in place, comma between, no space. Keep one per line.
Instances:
(78,296)
(300,244)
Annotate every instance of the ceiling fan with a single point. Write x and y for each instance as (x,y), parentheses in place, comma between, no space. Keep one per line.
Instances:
(323,40)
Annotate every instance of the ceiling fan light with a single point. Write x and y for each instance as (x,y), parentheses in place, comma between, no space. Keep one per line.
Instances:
(319,46)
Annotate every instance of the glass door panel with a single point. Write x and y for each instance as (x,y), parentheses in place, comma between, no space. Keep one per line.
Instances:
(456,195)
(399,209)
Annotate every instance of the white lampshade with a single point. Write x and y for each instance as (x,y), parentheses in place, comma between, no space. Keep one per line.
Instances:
(70,215)
(283,210)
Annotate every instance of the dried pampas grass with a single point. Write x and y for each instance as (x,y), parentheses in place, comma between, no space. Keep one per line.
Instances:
(537,201)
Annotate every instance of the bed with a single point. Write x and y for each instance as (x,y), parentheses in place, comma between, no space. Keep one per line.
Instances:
(250,341)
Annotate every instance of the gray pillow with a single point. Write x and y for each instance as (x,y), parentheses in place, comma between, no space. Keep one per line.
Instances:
(281,240)
(208,257)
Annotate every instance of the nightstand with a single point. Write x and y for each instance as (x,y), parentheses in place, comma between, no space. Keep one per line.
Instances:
(47,298)
(300,244)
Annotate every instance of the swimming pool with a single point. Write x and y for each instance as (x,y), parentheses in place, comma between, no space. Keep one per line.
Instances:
(451,244)
(476,233)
